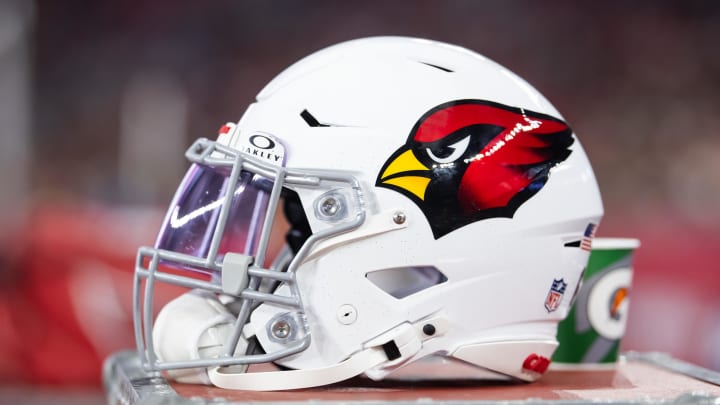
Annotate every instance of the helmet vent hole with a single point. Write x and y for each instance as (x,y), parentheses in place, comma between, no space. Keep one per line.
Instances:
(444,69)
(401,282)
(311,120)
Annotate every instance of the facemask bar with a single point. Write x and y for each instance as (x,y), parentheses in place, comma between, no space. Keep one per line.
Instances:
(212,154)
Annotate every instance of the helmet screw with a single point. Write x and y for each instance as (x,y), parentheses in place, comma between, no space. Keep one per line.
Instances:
(399,218)
(281,329)
(329,206)
(346,314)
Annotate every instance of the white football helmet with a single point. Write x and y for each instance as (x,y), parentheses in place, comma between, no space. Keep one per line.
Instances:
(440,214)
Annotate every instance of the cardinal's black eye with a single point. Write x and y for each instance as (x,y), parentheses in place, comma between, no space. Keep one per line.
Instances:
(449,153)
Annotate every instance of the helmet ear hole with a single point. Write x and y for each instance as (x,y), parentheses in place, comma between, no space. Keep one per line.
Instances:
(299,230)
(401,282)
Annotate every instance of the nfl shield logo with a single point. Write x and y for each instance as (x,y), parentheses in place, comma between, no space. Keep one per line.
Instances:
(555,295)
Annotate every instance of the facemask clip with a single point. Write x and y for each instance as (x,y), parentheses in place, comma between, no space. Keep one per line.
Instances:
(235,273)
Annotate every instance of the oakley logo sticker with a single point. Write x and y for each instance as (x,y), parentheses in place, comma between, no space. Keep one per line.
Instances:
(262,142)
(264,147)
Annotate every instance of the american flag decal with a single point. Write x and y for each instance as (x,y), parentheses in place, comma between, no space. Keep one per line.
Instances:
(586,242)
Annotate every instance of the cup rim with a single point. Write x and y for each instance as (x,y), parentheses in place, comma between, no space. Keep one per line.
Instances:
(615,243)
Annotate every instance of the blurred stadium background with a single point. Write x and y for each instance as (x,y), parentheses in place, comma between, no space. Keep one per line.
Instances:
(98,101)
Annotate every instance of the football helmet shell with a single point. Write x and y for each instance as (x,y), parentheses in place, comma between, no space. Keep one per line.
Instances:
(437,202)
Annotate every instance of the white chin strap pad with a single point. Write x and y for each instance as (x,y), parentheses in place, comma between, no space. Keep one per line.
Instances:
(192,326)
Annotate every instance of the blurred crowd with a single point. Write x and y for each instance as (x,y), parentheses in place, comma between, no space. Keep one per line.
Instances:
(100,99)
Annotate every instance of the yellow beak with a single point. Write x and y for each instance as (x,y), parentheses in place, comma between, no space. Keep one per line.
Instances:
(407,173)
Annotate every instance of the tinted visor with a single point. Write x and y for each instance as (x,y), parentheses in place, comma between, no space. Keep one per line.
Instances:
(193,217)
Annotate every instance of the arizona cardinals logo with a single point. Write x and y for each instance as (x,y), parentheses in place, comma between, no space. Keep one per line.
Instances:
(469,160)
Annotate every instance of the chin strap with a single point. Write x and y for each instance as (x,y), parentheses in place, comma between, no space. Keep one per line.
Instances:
(378,357)
(294,379)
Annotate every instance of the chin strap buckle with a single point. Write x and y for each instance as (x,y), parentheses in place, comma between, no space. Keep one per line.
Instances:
(388,350)
(399,344)
(404,342)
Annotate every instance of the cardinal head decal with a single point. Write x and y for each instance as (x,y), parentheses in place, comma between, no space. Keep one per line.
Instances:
(469,160)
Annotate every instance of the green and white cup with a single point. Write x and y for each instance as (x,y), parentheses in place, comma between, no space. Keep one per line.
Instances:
(590,336)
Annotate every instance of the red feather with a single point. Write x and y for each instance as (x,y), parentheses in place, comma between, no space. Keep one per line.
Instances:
(500,170)
(507,159)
